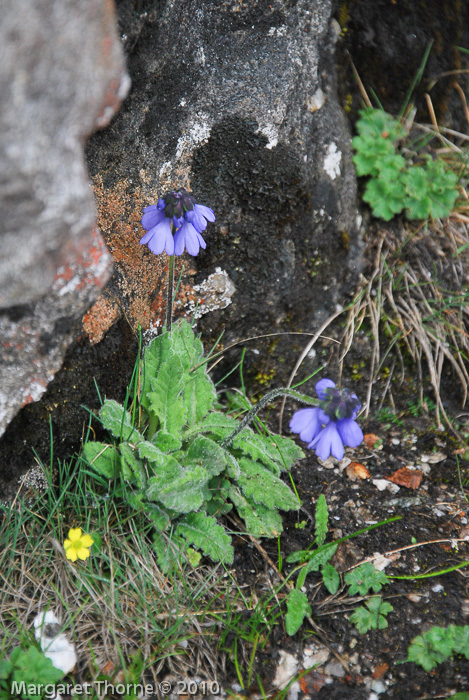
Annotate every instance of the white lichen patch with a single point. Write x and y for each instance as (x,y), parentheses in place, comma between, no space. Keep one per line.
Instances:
(196,134)
(34,479)
(332,161)
(316,101)
(270,131)
(213,294)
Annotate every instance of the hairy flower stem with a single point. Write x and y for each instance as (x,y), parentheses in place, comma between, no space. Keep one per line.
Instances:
(268,398)
(169,294)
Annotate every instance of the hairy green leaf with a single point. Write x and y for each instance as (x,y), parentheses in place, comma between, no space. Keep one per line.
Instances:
(134,469)
(148,450)
(264,487)
(260,521)
(207,453)
(297,609)
(275,452)
(322,517)
(177,488)
(331,578)
(217,423)
(166,442)
(166,399)
(117,421)
(103,458)
(199,396)
(204,533)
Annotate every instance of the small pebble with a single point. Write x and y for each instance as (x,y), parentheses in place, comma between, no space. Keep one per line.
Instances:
(396,441)
(437,588)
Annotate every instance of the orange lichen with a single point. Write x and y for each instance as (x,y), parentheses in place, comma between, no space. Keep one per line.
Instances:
(138,288)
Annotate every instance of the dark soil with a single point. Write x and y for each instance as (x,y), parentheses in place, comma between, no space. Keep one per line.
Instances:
(436,511)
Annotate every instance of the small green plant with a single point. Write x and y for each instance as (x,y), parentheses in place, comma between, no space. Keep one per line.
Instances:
(26,674)
(359,580)
(395,185)
(438,644)
(183,462)
(371,617)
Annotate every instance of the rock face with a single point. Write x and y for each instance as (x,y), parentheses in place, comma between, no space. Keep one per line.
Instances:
(236,102)
(62,76)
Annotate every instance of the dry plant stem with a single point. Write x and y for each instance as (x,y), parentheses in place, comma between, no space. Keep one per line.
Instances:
(431,111)
(320,633)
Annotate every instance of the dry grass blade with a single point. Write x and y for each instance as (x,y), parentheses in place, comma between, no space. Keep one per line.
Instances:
(414,297)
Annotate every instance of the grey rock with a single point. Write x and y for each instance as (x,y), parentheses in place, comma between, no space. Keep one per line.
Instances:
(62,75)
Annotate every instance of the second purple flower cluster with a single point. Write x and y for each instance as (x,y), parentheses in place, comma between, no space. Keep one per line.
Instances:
(176,210)
(332,424)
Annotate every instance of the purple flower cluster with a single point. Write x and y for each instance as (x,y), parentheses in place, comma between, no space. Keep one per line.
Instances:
(332,424)
(176,211)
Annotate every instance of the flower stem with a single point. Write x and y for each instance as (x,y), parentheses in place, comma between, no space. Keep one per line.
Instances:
(268,398)
(169,294)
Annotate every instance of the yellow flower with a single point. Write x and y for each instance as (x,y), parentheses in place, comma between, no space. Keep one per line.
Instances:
(78,545)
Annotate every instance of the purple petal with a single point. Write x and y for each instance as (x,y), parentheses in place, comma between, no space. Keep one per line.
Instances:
(328,442)
(322,385)
(179,242)
(152,207)
(161,203)
(350,432)
(205,211)
(192,243)
(196,219)
(152,218)
(160,238)
(306,423)
(201,240)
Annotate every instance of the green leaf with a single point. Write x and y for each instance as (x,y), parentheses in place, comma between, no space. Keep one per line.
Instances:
(35,669)
(322,517)
(199,396)
(379,125)
(260,521)
(207,453)
(165,399)
(371,617)
(422,652)
(185,345)
(297,609)
(134,468)
(166,442)
(204,533)
(158,351)
(169,552)
(319,557)
(159,515)
(274,451)
(117,421)
(461,641)
(103,458)
(217,423)
(5,669)
(365,577)
(263,487)
(177,488)
(331,578)
(385,198)
(148,450)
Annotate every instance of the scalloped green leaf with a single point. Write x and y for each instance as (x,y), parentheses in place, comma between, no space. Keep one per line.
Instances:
(104,459)
(260,521)
(215,422)
(166,399)
(166,442)
(118,421)
(199,395)
(177,488)
(274,451)
(135,467)
(206,453)
(264,487)
(203,532)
